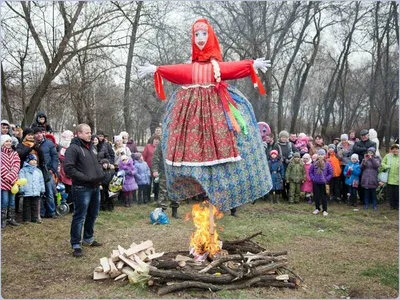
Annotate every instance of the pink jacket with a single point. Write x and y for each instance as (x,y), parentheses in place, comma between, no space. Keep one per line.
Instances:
(307,185)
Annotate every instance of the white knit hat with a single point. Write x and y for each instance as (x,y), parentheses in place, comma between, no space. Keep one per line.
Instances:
(117,138)
(4,138)
(355,155)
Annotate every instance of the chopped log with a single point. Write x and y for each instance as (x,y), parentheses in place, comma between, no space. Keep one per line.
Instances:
(99,269)
(105,265)
(127,270)
(150,250)
(121,250)
(100,276)
(120,265)
(155,255)
(133,245)
(182,258)
(114,255)
(114,272)
(131,263)
(142,255)
(143,246)
(165,264)
(122,276)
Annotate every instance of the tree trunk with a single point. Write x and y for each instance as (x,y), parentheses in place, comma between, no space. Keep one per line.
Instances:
(4,96)
(127,103)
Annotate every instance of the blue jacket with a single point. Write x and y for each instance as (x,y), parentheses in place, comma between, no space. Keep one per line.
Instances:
(355,173)
(50,155)
(143,172)
(35,181)
(277,173)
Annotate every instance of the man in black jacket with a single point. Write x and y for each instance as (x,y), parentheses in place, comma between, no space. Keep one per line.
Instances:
(86,173)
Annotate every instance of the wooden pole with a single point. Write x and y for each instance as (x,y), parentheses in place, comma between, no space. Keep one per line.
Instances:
(211,212)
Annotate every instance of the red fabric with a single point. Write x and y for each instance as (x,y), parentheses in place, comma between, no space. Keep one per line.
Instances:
(10,165)
(198,132)
(148,154)
(63,177)
(211,48)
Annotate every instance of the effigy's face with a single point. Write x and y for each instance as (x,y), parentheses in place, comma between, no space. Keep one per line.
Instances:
(200,38)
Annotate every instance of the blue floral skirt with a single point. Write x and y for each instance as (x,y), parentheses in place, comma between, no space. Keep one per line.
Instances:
(229,184)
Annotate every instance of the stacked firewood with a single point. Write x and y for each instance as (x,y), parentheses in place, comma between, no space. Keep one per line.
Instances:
(240,264)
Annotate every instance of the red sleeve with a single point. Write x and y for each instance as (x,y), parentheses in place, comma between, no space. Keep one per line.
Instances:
(235,69)
(178,74)
(240,69)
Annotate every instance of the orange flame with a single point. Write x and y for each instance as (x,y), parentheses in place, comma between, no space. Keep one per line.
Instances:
(205,239)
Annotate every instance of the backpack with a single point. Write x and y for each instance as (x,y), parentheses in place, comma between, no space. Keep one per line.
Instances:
(116,182)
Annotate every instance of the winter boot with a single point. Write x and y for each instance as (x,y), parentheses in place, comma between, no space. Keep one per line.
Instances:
(175,213)
(278,197)
(3,218)
(273,198)
(11,215)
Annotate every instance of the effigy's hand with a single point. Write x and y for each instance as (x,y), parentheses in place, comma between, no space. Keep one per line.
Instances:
(146,69)
(262,64)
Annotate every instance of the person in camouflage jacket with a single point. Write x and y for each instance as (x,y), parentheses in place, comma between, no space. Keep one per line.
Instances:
(158,171)
(295,176)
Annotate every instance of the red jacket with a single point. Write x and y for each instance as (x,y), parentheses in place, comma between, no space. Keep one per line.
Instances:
(10,165)
(148,154)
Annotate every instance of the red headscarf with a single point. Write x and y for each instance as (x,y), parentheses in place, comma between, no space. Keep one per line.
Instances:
(211,48)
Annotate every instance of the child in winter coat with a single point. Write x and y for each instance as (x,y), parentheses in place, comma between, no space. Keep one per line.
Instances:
(334,183)
(10,165)
(106,203)
(295,176)
(306,187)
(352,172)
(369,178)
(320,172)
(142,178)
(277,174)
(32,190)
(130,186)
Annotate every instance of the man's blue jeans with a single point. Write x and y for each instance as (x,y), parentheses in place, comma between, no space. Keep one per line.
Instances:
(7,199)
(86,208)
(49,205)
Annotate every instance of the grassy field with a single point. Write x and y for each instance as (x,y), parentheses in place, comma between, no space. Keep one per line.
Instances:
(347,254)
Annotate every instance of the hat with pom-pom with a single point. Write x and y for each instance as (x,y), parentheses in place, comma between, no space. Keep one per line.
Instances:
(355,156)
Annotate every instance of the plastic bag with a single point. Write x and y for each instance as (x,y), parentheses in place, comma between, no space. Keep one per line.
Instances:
(383,176)
(158,216)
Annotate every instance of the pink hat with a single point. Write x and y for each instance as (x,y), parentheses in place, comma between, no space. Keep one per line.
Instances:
(274,152)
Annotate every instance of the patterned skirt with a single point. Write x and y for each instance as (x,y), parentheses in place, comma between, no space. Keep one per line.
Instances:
(198,134)
(228,184)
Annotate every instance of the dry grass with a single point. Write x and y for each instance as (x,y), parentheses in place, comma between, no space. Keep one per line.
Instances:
(348,254)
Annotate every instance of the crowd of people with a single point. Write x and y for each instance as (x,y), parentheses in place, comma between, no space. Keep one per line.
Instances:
(34,154)
(346,170)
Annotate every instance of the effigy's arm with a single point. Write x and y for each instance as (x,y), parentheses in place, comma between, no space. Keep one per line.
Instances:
(178,74)
(244,68)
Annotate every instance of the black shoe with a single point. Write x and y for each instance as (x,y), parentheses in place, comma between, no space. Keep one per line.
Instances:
(77,252)
(93,244)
